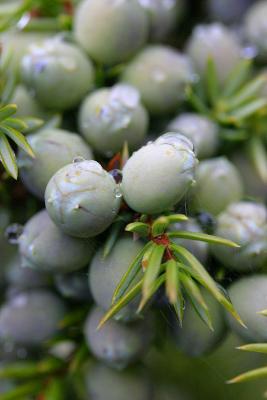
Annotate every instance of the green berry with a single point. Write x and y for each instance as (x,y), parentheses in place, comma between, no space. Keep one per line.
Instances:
(106,273)
(109,117)
(159,174)
(110,31)
(45,247)
(82,199)
(248,296)
(246,224)
(53,148)
(218,184)
(160,73)
(59,73)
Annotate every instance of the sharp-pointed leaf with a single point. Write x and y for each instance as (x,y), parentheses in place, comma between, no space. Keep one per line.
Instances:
(79,357)
(122,302)
(140,228)
(20,391)
(187,258)
(234,135)
(113,235)
(16,123)
(203,237)
(249,109)
(177,218)
(55,390)
(153,289)
(8,157)
(153,268)
(145,259)
(250,375)
(7,111)
(237,78)
(258,155)
(125,154)
(172,281)
(17,137)
(179,307)
(263,312)
(247,92)
(196,299)
(30,369)
(212,83)
(32,124)
(254,347)
(130,274)
(159,225)
(196,102)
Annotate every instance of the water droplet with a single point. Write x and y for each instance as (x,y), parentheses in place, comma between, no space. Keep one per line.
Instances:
(78,159)
(117,175)
(118,193)
(13,233)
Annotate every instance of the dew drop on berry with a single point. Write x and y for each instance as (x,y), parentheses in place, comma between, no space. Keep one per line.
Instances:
(78,159)
(13,233)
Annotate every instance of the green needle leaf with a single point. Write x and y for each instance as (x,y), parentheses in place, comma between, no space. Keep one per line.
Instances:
(154,288)
(27,390)
(203,237)
(248,109)
(130,274)
(30,369)
(247,92)
(7,111)
(196,101)
(205,279)
(263,312)
(8,157)
(159,225)
(153,269)
(250,375)
(140,228)
(254,347)
(212,82)
(122,302)
(237,78)
(16,123)
(55,390)
(172,283)
(32,124)
(196,299)
(258,155)
(17,137)
(177,218)
(115,230)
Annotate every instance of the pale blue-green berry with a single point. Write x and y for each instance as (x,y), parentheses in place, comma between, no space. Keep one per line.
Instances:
(163,16)
(53,148)
(246,224)
(197,248)
(45,247)
(59,73)
(73,286)
(218,184)
(255,27)
(248,296)
(110,31)
(253,185)
(109,117)
(104,383)
(30,318)
(217,42)
(21,278)
(195,338)
(117,344)
(82,199)
(160,73)
(16,43)
(203,132)
(106,273)
(27,104)
(227,11)
(158,175)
